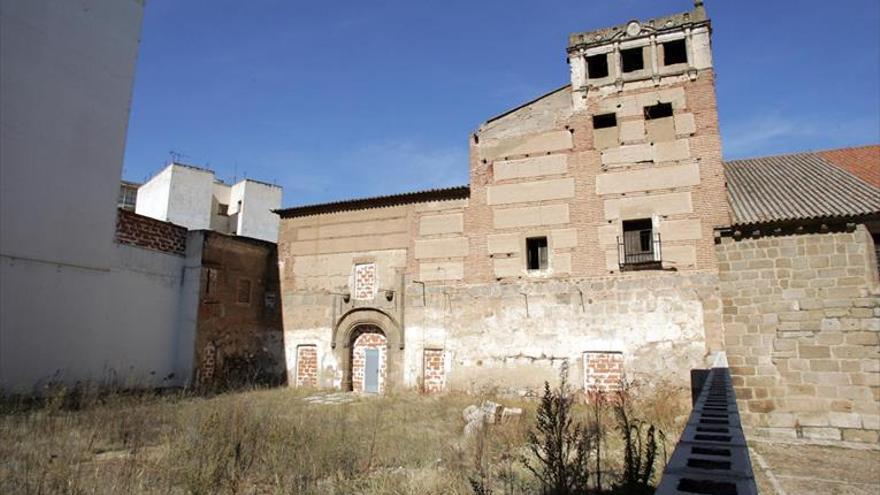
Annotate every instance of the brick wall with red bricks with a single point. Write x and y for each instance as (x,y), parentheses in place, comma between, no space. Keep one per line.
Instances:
(149,233)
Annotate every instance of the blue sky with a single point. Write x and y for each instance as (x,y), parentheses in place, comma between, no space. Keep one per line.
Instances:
(342,99)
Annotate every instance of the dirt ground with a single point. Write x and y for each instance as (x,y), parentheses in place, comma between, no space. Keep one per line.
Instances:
(802,469)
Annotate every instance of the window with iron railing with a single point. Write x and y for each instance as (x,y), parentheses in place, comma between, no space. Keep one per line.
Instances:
(639,247)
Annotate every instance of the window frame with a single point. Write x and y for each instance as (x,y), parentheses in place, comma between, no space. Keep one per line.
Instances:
(541,256)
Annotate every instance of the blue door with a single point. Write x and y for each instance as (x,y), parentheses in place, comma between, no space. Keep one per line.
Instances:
(371,371)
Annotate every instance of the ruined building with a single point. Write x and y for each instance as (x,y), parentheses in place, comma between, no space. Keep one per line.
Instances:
(601,228)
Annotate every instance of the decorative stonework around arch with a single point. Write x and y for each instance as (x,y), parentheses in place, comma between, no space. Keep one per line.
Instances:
(351,326)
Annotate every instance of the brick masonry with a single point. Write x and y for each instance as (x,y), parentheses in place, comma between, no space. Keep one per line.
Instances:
(239,317)
(369,338)
(603,371)
(434,371)
(306,366)
(149,233)
(802,334)
(364,281)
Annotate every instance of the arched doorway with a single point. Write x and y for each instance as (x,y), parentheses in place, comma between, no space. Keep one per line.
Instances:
(369,353)
(375,335)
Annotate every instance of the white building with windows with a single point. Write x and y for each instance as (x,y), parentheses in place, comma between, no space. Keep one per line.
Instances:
(195,198)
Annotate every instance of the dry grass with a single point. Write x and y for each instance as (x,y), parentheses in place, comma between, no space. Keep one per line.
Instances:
(272,441)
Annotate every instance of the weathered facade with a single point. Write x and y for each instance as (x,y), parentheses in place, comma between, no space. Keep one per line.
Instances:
(541,259)
(601,228)
(238,332)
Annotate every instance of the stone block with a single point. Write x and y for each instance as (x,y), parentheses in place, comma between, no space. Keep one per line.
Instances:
(632,130)
(671,151)
(450,270)
(530,216)
(660,130)
(813,418)
(814,433)
(504,243)
(527,144)
(508,267)
(607,234)
(684,124)
(563,238)
(561,263)
(606,138)
(628,154)
(647,206)
(648,179)
(441,224)
(813,351)
(452,247)
(530,191)
(862,436)
(531,167)
(845,420)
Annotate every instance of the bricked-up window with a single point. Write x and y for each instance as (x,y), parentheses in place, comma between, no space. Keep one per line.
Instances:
(604,120)
(536,253)
(658,111)
(244,291)
(364,281)
(631,60)
(675,52)
(597,66)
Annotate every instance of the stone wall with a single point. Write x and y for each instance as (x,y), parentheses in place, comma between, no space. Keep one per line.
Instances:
(146,232)
(802,333)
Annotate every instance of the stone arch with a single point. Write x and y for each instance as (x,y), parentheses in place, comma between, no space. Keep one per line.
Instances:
(347,330)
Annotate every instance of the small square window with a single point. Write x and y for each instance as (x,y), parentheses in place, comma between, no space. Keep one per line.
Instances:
(658,111)
(597,66)
(244,291)
(675,52)
(604,120)
(222,209)
(536,253)
(632,59)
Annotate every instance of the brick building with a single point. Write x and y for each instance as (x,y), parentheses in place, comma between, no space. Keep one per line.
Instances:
(599,228)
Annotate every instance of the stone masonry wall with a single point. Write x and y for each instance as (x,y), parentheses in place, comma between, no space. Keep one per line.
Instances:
(802,334)
(146,232)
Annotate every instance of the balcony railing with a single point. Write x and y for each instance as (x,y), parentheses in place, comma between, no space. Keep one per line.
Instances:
(639,250)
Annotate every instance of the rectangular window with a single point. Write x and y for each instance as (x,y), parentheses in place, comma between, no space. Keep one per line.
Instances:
(223,209)
(675,52)
(604,120)
(638,241)
(244,291)
(536,253)
(658,111)
(597,66)
(632,60)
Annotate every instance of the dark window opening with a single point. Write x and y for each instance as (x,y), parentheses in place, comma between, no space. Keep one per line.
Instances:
(597,66)
(675,52)
(632,59)
(536,253)
(640,246)
(244,291)
(605,120)
(658,111)
(223,209)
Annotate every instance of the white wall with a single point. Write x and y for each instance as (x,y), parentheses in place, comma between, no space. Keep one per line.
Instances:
(256,218)
(73,302)
(66,73)
(153,195)
(126,322)
(190,201)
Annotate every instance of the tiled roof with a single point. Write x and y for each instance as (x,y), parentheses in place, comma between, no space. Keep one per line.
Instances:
(449,193)
(863,162)
(796,187)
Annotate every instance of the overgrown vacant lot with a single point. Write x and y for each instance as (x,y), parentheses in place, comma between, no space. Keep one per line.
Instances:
(277,441)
